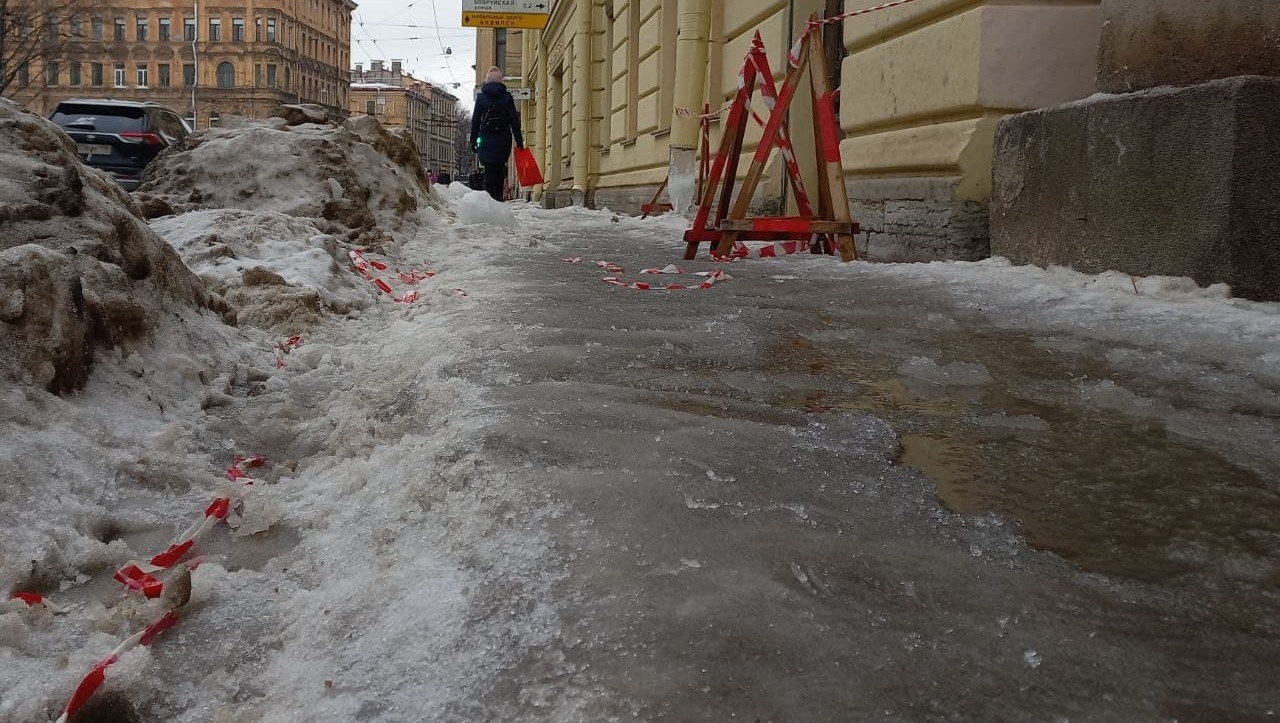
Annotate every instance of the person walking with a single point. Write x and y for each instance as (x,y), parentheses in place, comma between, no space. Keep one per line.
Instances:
(494,122)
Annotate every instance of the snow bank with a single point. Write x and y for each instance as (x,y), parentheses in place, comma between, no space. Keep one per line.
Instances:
(80,270)
(479,207)
(356,180)
(92,301)
(276,269)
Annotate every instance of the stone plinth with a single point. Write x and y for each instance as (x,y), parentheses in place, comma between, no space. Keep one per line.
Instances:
(1150,43)
(1182,182)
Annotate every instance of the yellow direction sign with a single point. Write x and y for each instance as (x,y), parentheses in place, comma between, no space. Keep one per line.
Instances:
(529,21)
(531,14)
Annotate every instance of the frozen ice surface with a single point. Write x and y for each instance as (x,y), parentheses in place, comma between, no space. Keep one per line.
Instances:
(953,373)
(555,500)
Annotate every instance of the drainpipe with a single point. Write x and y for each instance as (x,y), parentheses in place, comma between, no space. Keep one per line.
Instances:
(693,39)
(582,102)
(539,124)
(195,65)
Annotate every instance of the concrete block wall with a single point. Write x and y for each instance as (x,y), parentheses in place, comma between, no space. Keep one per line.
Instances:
(1180,177)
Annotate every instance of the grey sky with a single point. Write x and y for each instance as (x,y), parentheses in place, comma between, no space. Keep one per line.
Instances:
(417,32)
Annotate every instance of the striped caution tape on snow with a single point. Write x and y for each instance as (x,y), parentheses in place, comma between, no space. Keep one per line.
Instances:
(141,577)
(366,268)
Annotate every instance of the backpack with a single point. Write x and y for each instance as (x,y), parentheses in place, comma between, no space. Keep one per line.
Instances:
(496,119)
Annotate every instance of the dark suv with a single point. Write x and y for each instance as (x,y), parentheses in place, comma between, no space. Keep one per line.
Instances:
(119,137)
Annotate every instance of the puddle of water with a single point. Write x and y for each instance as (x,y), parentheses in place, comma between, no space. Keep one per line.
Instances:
(1112,493)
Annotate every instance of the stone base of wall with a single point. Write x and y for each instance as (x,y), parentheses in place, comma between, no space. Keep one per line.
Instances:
(624,200)
(917,219)
(1177,182)
(629,200)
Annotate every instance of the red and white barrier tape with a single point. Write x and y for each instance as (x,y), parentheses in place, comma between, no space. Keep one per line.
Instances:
(140,576)
(793,55)
(710,279)
(363,267)
(285,347)
(90,683)
(32,599)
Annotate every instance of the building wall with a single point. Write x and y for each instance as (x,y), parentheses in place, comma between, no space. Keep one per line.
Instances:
(629,74)
(922,89)
(398,99)
(924,86)
(308,54)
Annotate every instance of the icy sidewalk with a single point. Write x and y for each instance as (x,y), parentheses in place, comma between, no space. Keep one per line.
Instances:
(745,530)
(530,495)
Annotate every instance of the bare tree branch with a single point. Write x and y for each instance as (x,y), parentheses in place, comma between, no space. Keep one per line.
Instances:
(461,142)
(35,39)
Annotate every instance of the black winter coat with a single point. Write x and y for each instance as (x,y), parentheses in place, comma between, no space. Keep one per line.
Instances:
(495,145)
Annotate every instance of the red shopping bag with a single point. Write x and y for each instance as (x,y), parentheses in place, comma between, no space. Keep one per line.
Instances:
(527,168)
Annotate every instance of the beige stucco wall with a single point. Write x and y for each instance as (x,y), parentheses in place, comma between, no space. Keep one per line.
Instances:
(631,121)
(924,85)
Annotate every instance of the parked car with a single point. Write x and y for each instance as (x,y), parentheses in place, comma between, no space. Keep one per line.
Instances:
(120,137)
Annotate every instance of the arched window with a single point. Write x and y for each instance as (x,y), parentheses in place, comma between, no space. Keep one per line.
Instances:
(226,75)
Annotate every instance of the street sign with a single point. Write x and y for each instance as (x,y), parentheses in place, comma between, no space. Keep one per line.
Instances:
(524,14)
(516,93)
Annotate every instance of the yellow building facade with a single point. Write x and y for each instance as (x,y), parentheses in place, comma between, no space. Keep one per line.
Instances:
(922,87)
(201,60)
(399,100)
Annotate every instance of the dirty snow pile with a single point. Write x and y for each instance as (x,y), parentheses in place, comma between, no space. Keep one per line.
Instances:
(279,271)
(267,211)
(356,179)
(111,350)
(80,271)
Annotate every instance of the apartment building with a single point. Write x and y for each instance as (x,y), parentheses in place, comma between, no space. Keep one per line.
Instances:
(398,99)
(203,60)
(922,87)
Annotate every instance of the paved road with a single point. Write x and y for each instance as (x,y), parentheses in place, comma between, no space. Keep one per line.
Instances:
(745,522)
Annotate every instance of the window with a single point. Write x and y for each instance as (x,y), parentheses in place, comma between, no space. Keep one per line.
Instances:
(54,27)
(142,30)
(73,72)
(226,75)
(24,75)
(271,75)
(95,74)
(370,108)
(77,27)
(119,29)
(257,75)
(215,29)
(237,29)
(162,75)
(51,72)
(257,30)
(288,81)
(142,75)
(188,29)
(271,30)
(164,30)
(500,47)
(95,27)
(119,75)
(188,75)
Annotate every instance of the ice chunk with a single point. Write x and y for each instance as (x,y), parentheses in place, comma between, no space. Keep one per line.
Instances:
(479,207)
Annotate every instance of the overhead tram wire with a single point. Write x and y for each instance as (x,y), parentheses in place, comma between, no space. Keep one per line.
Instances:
(435,16)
